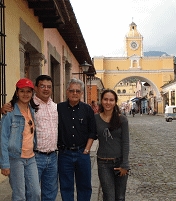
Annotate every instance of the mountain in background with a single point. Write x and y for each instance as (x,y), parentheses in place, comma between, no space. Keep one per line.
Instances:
(155,54)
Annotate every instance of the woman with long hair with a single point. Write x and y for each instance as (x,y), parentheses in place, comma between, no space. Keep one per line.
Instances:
(17,139)
(113,150)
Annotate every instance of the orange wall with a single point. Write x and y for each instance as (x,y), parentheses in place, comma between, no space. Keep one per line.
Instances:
(91,93)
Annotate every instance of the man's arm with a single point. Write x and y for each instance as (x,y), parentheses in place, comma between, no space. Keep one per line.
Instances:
(7,107)
(88,146)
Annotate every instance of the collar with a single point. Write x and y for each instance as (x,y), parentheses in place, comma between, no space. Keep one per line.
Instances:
(75,106)
(17,110)
(39,101)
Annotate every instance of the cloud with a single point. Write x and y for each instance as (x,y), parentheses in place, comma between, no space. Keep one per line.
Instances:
(104,24)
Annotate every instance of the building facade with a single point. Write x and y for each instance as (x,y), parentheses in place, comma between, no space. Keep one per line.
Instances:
(156,71)
(41,37)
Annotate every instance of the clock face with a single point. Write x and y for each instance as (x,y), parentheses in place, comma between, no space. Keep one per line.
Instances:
(134,45)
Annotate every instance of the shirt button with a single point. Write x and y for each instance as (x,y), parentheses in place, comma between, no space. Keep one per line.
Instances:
(73,136)
(73,127)
(73,118)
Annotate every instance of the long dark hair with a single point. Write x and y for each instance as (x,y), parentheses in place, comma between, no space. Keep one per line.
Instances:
(15,99)
(115,119)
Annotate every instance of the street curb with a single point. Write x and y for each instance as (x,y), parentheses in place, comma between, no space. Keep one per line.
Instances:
(95,179)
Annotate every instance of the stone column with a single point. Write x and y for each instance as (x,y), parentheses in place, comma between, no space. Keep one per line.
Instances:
(22,43)
(170,97)
(35,64)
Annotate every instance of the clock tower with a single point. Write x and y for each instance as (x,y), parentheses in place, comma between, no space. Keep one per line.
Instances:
(133,42)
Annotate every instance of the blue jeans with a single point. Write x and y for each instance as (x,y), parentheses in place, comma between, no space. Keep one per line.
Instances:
(24,179)
(74,164)
(48,175)
(113,186)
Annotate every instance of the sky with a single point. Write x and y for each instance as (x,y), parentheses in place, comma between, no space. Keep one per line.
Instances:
(105,23)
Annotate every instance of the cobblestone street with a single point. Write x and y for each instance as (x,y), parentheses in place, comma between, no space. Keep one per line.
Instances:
(152,159)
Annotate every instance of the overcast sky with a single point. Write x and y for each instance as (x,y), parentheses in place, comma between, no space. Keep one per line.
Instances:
(104,24)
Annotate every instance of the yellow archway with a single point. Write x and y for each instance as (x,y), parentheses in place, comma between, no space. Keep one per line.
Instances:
(156,71)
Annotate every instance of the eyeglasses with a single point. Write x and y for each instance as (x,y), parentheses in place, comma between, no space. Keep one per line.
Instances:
(45,86)
(31,128)
(74,91)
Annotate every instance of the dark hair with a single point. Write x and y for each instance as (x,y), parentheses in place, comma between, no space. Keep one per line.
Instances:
(115,119)
(41,78)
(15,99)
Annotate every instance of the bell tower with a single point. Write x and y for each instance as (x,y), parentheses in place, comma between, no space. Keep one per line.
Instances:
(133,42)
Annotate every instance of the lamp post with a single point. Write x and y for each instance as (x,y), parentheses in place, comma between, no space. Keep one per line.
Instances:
(84,67)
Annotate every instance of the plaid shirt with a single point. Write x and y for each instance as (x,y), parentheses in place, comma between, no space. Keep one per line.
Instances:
(46,123)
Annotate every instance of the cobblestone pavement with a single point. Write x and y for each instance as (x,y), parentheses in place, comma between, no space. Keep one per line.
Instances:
(152,159)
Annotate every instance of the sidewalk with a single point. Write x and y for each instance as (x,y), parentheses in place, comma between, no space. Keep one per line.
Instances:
(95,179)
(5,190)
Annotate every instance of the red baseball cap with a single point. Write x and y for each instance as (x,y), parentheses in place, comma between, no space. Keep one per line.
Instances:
(24,82)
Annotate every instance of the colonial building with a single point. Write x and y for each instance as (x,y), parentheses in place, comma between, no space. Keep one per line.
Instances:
(41,37)
(155,71)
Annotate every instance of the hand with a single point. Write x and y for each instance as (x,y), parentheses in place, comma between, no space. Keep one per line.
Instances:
(86,151)
(5,172)
(7,107)
(123,171)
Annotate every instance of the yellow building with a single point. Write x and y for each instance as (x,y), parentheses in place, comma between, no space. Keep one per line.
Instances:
(41,37)
(156,71)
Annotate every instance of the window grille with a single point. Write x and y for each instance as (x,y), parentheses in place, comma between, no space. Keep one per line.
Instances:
(2,54)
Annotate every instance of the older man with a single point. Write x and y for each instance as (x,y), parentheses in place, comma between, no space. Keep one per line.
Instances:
(77,131)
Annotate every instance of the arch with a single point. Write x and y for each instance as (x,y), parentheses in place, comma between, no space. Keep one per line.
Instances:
(158,95)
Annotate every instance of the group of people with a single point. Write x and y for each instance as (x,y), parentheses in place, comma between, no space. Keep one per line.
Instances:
(41,141)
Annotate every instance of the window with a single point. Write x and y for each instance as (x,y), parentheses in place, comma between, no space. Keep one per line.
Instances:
(174,110)
(134,64)
(124,91)
(118,91)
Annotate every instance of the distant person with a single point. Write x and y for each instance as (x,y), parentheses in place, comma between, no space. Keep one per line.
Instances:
(17,158)
(113,150)
(133,112)
(95,107)
(124,112)
(150,111)
(154,112)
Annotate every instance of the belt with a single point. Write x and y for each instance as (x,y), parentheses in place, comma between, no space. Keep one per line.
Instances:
(72,148)
(46,153)
(114,160)
(106,159)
